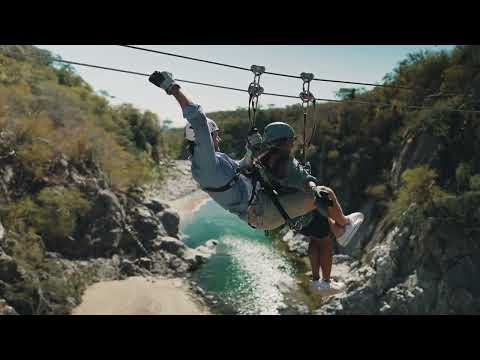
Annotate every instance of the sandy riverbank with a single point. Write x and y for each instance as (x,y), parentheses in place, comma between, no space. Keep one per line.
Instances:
(140,296)
(187,205)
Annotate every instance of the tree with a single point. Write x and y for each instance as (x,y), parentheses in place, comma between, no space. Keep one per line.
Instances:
(166,124)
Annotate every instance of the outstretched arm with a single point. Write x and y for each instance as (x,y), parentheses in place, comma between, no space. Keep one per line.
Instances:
(204,149)
(181,98)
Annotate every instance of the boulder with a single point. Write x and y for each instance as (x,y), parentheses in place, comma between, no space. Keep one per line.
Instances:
(102,233)
(147,226)
(170,220)
(194,258)
(178,265)
(108,203)
(128,268)
(136,195)
(156,206)
(170,245)
(211,244)
(209,248)
(144,262)
(9,271)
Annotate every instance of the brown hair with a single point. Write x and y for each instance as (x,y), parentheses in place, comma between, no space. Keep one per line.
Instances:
(276,161)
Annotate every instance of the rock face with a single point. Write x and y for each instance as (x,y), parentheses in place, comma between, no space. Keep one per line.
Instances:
(147,226)
(123,234)
(170,245)
(155,205)
(410,271)
(9,270)
(106,231)
(170,220)
(417,150)
(114,227)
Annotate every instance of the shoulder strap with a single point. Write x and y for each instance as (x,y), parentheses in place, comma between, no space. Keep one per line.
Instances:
(270,191)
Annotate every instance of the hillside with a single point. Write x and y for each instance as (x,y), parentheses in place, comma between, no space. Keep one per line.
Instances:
(73,174)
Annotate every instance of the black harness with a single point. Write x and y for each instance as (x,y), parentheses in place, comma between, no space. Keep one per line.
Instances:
(252,175)
(227,186)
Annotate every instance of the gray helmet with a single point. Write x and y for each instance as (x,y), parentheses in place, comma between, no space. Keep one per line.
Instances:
(190,134)
(276,131)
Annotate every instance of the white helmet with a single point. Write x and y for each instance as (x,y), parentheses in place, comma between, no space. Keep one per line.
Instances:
(190,134)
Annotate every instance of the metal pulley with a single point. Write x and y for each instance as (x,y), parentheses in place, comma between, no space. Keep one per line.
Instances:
(254,92)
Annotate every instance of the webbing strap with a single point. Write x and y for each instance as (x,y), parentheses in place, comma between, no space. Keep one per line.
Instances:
(226,187)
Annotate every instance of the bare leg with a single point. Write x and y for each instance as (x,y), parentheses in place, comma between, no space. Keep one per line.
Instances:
(337,230)
(325,256)
(314,256)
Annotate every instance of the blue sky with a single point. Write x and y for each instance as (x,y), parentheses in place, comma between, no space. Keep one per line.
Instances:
(361,63)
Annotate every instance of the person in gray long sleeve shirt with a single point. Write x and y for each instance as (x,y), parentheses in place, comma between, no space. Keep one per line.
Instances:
(214,169)
(210,168)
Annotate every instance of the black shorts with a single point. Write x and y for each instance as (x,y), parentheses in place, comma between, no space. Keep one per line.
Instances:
(319,227)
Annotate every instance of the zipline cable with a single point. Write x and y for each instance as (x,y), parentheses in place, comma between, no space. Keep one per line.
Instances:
(278,74)
(264,93)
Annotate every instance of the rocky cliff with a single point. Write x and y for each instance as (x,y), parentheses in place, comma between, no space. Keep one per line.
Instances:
(123,234)
(421,262)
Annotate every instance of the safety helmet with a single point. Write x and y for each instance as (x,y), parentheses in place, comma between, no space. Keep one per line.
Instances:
(277,131)
(190,134)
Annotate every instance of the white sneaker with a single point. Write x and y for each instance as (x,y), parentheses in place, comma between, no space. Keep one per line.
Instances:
(356,219)
(327,288)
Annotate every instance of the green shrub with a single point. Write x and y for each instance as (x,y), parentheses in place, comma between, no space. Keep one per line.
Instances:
(463,174)
(419,187)
(475,182)
(379,191)
(53,215)
(60,210)
(19,215)
(28,250)
(36,157)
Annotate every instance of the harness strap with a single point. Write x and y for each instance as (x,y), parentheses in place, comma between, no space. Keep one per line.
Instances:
(226,187)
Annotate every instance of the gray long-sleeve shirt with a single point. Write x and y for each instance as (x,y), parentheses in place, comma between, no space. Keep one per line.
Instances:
(211,169)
